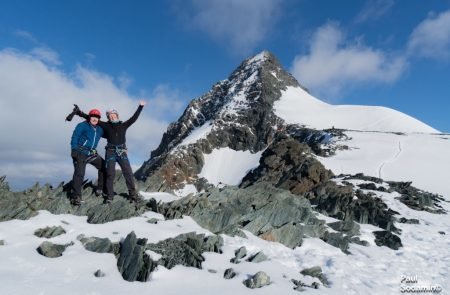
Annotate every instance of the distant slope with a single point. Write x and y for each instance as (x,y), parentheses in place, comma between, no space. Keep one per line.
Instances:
(298,106)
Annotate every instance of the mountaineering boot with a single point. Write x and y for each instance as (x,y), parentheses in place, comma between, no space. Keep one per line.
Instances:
(76,201)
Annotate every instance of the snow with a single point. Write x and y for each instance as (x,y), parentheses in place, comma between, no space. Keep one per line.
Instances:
(198,133)
(420,158)
(159,196)
(186,190)
(296,106)
(228,166)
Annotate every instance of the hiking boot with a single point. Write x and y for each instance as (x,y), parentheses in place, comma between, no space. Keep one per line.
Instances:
(136,198)
(107,201)
(98,192)
(76,201)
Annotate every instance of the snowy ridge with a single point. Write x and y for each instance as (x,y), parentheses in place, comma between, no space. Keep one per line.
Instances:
(296,106)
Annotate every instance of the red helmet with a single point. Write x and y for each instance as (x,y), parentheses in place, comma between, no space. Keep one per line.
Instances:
(95,113)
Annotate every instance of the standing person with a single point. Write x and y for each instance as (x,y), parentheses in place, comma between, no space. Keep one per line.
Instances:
(84,142)
(116,151)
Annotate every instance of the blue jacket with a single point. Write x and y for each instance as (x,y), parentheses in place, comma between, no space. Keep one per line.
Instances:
(85,137)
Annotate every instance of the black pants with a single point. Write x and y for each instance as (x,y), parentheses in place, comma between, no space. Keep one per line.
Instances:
(79,164)
(127,172)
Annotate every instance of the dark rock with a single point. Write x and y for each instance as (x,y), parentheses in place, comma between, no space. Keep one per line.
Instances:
(316,272)
(98,245)
(229,273)
(99,273)
(2,242)
(212,271)
(239,254)
(153,221)
(259,280)
(288,164)
(388,239)
(442,232)
(371,186)
(49,232)
(258,257)
(337,240)
(185,249)
(408,221)
(51,250)
(348,227)
(270,213)
(133,263)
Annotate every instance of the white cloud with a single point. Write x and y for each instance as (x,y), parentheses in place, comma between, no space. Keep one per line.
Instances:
(46,55)
(374,10)
(235,23)
(334,63)
(34,101)
(431,38)
(25,35)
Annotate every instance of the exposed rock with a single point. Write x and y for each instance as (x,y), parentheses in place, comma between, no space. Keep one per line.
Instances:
(348,227)
(185,249)
(239,254)
(212,271)
(259,280)
(442,232)
(229,273)
(388,239)
(153,220)
(98,245)
(133,263)
(26,204)
(288,164)
(357,240)
(99,273)
(337,240)
(408,221)
(51,250)
(270,213)
(2,242)
(258,257)
(316,272)
(49,232)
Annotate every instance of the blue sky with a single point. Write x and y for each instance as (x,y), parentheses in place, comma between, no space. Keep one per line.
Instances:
(380,52)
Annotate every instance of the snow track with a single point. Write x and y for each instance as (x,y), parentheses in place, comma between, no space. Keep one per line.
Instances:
(380,169)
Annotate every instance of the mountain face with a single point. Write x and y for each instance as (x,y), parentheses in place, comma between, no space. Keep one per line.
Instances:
(236,113)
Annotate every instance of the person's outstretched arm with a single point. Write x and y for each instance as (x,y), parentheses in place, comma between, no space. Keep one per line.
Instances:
(133,118)
(86,116)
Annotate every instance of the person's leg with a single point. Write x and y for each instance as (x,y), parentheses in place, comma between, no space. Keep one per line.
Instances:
(128,174)
(99,164)
(78,175)
(110,163)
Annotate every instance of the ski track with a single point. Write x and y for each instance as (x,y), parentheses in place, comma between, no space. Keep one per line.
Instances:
(380,169)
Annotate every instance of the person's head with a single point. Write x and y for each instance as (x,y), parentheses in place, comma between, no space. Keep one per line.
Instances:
(94,116)
(112,115)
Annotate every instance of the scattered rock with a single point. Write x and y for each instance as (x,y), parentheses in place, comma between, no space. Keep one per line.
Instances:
(258,257)
(185,249)
(239,254)
(153,221)
(2,242)
(99,273)
(49,232)
(358,241)
(349,227)
(133,263)
(259,280)
(212,271)
(442,232)
(408,221)
(388,239)
(98,245)
(229,273)
(316,272)
(51,250)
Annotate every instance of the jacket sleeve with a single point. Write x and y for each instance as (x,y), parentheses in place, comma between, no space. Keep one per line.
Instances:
(133,119)
(74,142)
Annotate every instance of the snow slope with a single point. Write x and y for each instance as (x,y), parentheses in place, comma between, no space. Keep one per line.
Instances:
(423,159)
(296,106)
(228,166)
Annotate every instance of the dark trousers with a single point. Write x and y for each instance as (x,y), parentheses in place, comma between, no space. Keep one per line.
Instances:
(79,164)
(127,172)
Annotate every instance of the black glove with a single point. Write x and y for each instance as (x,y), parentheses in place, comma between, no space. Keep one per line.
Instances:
(76,111)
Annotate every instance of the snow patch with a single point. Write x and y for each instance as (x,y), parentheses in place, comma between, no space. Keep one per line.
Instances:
(228,166)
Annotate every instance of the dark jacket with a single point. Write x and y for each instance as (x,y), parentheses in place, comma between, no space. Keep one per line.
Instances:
(115,132)
(85,137)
